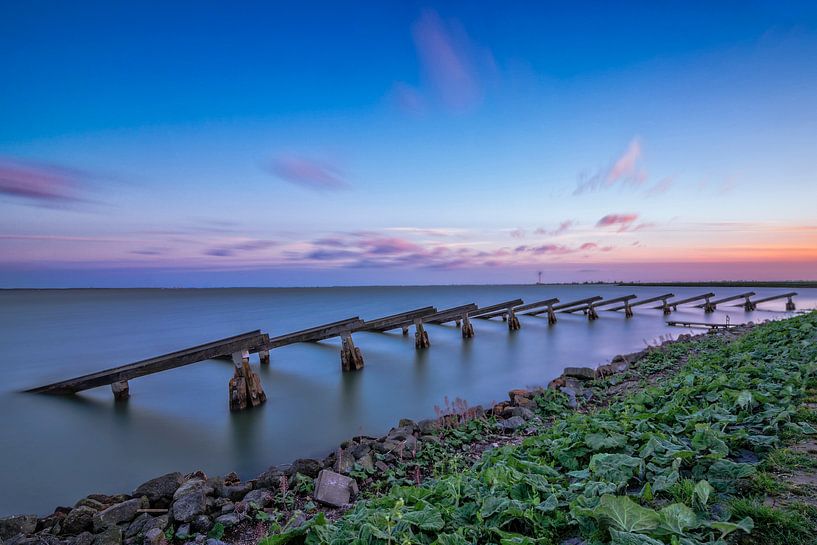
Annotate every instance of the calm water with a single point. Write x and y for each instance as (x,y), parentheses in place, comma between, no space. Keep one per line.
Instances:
(56,449)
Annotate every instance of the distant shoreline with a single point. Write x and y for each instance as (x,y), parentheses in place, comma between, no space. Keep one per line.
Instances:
(731,284)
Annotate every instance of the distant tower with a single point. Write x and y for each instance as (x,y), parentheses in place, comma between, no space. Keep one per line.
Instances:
(540,278)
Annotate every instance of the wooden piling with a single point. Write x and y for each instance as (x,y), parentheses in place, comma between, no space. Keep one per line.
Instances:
(351,358)
(245,390)
(467,327)
(420,335)
(513,321)
(121,390)
(551,315)
(790,304)
(263,357)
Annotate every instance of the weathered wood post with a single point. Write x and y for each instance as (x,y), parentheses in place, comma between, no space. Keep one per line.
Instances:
(405,330)
(790,304)
(245,387)
(467,327)
(263,357)
(708,306)
(121,390)
(350,357)
(665,308)
(551,315)
(458,322)
(591,312)
(749,305)
(420,335)
(513,321)
(628,309)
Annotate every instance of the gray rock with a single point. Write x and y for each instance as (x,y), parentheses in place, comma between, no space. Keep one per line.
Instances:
(227,508)
(428,426)
(185,508)
(234,492)
(154,536)
(214,541)
(407,423)
(270,478)
(199,538)
(366,462)
(230,519)
(304,466)
(193,485)
(361,450)
(110,536)
(135,527)
(113,515)
(380,465)
(511,424)
(582,373)
(401,433)
(201,524)
(78,520)
(571,396)
(36,539)
(160,490)
(85,538)
(386,446)
(345,461)
(156,523)
(334,489)
(93,504)
(523,412)
(17,524)
(183,532)
(260,497)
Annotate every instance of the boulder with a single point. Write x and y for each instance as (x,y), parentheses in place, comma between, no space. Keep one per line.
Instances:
(135,527)
(186,508)
(230,519)
(523,412)
(214,541)
(17,524)
(344,461)
(261,497)
(182,532)
(110,536)
(401,434)
(407,423)
(511,424)
(193,485)
(115,514)
(160,490)
(513,394)
(160,523)
(233,492)
(366,462)
(334,489)
(36,539)
(304,466)
(154,536)
(93,504)
(582,373)
(571,396)
(78,520)
(85,538)
(201,524)
(361,450)
(428,426)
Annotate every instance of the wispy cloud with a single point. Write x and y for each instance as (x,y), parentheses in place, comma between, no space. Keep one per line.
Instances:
(453,67)
(517,233)
(563,227)
(626,170)
(661,187)
(227,250)
(41,184)
(308,172)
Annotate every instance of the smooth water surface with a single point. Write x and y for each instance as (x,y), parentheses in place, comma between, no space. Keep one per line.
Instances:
(57,449)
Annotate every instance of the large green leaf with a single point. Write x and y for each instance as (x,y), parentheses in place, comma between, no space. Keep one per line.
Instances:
(624,514)
(726,528)
(702,492)
(629,538)
(615,468)
(602,441)
(677,518)
(427,519)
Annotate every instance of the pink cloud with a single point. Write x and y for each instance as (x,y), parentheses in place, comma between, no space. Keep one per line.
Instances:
(518,233)
(623,221)
(627,169)
(43,184)
(448,61)
(561,229)
(308,172)
(588,246)
(661,187)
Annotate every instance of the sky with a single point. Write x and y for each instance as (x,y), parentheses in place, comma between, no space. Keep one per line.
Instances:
(196,144)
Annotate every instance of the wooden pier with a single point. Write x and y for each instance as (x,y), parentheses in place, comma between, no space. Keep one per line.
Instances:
(245,389)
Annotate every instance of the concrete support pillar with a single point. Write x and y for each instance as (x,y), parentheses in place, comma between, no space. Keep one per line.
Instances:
(121,390)
(263,357)
(790,304)
(420,335)
(245,388)
(350,357)
(513,321)
(467,327)
(551,315)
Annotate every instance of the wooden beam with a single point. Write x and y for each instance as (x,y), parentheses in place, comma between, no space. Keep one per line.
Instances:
(674,304)
(395,320)
(314,334)
(771,298)
(602,303)
(450,314)
(707,325)
(646,301)
(480,313)
(727,299)
(252,341)
(521,308)
(566,305)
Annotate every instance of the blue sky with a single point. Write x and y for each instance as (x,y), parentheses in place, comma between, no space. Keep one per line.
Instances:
(319,143)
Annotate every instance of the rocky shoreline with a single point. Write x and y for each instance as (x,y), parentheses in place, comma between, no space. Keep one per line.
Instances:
(200,509)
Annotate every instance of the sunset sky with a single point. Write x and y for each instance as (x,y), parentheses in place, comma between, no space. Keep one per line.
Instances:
(231,144)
